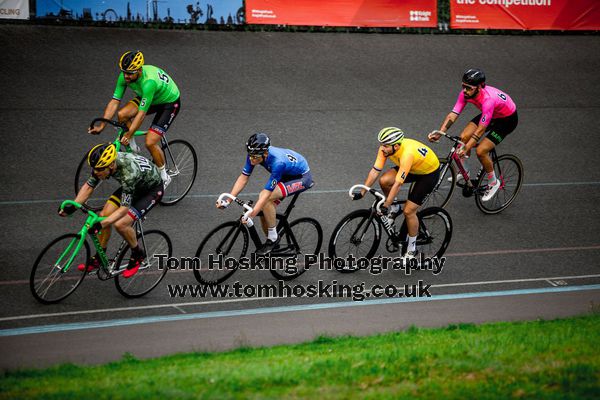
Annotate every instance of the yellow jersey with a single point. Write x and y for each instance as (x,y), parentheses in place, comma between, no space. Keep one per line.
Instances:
(412,157)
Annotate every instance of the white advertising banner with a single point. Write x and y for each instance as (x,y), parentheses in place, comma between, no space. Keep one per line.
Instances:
(14,9)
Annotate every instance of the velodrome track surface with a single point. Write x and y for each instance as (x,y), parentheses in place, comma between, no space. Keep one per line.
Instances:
(326,96)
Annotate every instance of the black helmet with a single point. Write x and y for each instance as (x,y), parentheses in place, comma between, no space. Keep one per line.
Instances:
(258,143)
(474,77)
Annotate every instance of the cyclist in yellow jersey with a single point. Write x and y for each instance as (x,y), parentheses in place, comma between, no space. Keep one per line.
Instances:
(415,162)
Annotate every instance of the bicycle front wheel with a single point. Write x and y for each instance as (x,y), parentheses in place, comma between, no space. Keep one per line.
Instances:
(509,170)
(181,164)
(357,234)
(441,194)
(435,232)
(101,192)
(53,278)
(305,238)
(150,274)
(220,251)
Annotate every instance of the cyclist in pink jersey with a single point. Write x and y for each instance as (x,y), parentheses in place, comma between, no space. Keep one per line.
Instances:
(497,119)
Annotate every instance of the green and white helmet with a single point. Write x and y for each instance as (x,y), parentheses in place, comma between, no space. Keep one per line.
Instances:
(391,135)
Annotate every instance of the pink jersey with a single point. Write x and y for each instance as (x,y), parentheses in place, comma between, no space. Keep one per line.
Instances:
(492,102)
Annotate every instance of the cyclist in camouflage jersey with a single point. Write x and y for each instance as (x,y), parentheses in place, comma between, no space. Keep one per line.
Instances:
(141,188)
(156,93)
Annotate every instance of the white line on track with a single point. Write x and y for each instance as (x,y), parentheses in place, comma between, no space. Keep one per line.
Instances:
(309,192)
(202,303)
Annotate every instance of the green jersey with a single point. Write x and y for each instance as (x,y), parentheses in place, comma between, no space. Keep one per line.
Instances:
(135,173)
(154,86)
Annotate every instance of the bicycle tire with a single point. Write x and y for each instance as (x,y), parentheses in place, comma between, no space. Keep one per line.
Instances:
(102,191)
(181,164)
(510,175)
(214,242)
(64,283)
(149,275)
(303,230)
(434,223)
(339,247)
(442,192)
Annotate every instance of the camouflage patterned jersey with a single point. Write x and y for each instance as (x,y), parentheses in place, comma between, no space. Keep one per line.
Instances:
(135,173)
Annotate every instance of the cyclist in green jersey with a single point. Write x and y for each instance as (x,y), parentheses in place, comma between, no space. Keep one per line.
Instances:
(156,94)
(141,189)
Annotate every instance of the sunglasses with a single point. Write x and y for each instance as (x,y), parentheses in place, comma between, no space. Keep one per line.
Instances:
(469,87)
(255,156)
(130,73)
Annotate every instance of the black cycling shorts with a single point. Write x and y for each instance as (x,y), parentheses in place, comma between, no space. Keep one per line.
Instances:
(499,128)
(141,205)
(424,185)
(165,114)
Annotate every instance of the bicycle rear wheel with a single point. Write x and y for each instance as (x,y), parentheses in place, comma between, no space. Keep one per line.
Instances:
(101,192)
(181,164)
(308,237)
(357,234)
(220,251)
(441,194)
(149,275)
(435,232)
(509,170)
(49,281)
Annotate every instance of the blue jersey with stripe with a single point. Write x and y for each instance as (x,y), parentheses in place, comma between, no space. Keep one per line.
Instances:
(280,163)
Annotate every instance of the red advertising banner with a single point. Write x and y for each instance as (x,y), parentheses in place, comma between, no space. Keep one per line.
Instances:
(525,14)
(363,13)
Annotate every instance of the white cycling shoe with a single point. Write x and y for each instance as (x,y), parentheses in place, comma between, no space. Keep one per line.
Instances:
(491,191)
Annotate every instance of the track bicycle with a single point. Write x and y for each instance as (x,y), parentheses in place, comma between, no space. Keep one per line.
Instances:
(508,169)
(55,274)
(181,163)
(230,240)
(359,233)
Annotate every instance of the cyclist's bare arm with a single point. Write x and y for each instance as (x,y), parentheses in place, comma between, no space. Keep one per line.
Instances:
(238,186)
(84,193)
(448,121)
(371,178)
(403,170)
(109,112)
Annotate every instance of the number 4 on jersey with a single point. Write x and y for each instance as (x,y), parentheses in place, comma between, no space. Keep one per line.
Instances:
(423,151)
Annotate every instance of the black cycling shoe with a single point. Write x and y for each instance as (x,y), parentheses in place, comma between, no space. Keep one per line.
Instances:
(266,248)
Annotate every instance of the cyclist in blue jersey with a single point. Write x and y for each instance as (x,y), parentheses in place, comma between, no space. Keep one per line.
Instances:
(290,174)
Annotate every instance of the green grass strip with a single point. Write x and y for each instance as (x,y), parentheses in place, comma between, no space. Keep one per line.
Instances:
(557,359)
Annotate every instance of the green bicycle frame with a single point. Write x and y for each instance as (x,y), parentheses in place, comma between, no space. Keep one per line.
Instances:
(117,141)
(78,243)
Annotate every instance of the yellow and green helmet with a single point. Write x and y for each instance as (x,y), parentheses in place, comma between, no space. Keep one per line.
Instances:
(390,135)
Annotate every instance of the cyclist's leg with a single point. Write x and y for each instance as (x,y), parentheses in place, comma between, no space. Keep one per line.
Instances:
(496,132)
(165,115)
(138,209)
(268,219)
(128,111)
(424,185)
(387,179)
(112,204)
(483,150)
(289,185)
